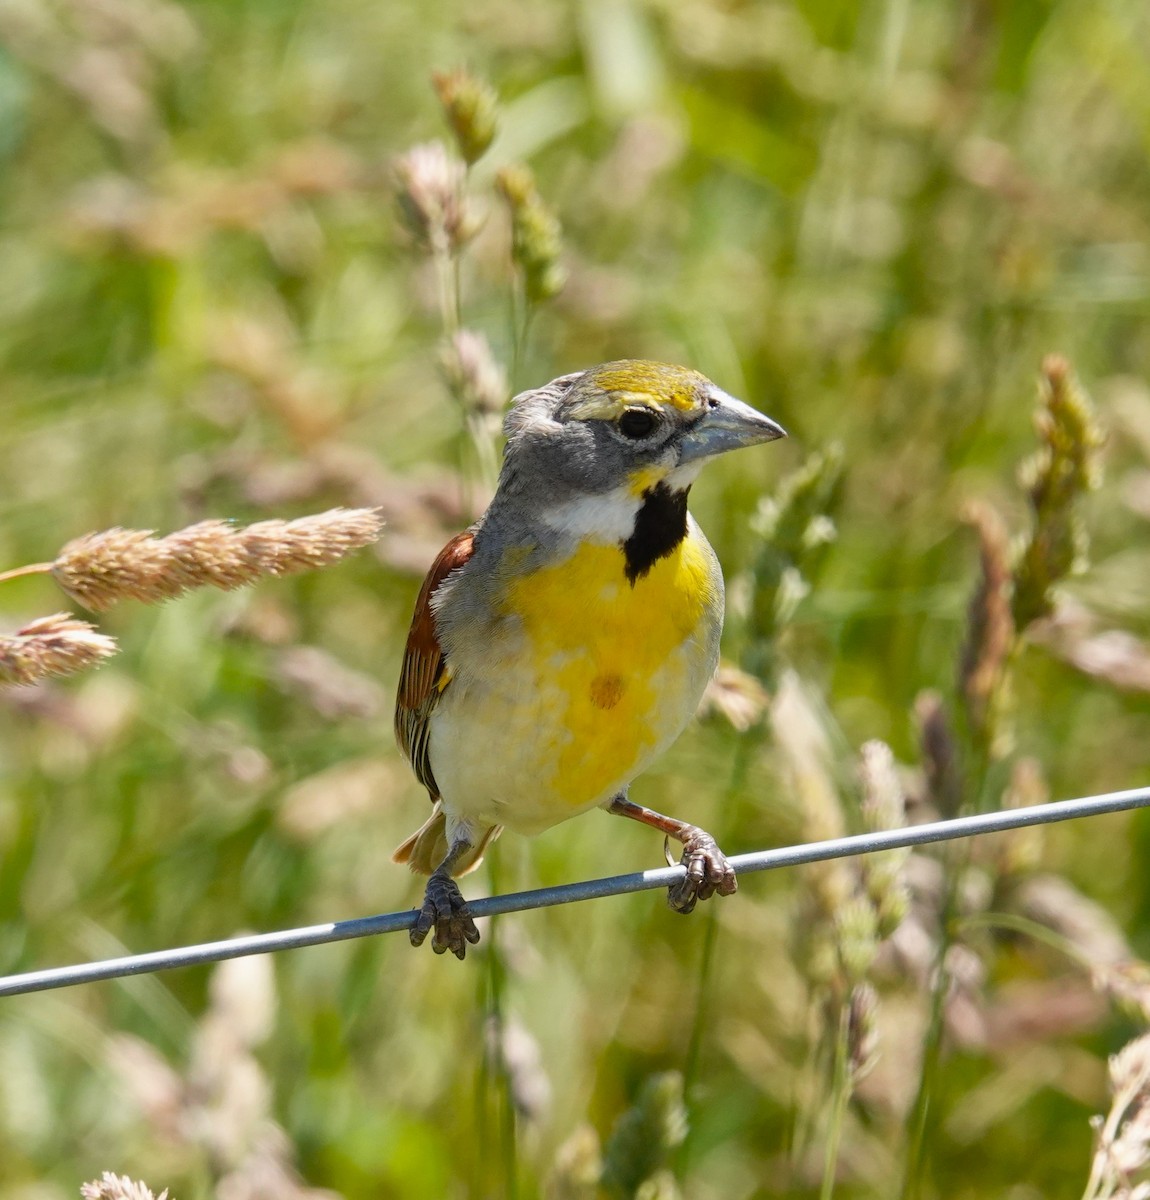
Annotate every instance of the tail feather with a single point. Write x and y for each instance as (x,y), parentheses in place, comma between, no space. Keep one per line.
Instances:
(427,846)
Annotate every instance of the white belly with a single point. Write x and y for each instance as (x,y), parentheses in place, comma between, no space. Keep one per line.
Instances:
(513,758)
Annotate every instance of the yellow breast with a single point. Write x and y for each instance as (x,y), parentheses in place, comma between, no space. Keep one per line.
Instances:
(616,668)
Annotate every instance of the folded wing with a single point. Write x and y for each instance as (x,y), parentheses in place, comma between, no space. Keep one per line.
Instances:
(425,674)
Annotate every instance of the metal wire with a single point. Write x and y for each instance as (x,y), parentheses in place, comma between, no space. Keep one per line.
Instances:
(591,889)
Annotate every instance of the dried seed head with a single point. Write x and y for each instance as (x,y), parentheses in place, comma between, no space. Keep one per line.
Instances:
(284,547)
(939,753)
(118,564)
(883,803)
(476,380)
(155,1089)
(55,645)
(118,1187)
(334,690)
(432,200)
(229,1094)
(739,697)
(989,626)
(1127,984)
(266,1169)
(536,236)
(208,554)
(1053,901)
(1123,1146)
(1065,467)
(471,108)
(1130,1067)
(1113,655)
(883,807)
(1130,1150)
(862,1030)
(98,569)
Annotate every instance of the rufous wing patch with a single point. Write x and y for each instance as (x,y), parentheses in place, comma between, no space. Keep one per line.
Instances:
(424,674)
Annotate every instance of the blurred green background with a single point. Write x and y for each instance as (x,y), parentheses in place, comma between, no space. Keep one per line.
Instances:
(870,220)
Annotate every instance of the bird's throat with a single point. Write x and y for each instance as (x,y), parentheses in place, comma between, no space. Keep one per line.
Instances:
(660,525)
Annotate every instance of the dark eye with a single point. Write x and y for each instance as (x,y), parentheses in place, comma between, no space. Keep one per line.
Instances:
(637,423)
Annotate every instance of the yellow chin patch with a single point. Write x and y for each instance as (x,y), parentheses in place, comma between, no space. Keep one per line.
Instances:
(644,480)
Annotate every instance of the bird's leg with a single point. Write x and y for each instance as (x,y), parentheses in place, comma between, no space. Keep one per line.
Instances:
(444,908)
(708,871)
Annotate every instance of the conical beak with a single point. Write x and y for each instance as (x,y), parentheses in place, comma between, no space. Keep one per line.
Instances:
(727,424)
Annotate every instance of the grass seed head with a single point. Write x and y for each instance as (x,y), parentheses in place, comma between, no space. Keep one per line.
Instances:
(118,1187)
(477,381)
(856,929)
(55,645)
(883,807)
(862,1030)
(939,754)
(472,110)
(99,569)
(536,235)
(1064,468)
(432,199)
(989,627)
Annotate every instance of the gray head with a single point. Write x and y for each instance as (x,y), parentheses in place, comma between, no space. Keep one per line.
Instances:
(621,428)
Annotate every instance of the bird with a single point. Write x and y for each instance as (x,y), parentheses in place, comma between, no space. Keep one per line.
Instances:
(563,642)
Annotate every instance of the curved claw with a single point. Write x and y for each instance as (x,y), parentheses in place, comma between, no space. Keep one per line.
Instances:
(708,872)
(445,910)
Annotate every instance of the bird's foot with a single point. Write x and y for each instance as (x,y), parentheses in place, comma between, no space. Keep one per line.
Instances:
(708,872)
(445,910)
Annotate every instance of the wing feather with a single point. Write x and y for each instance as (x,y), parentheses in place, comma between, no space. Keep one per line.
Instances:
(425,674)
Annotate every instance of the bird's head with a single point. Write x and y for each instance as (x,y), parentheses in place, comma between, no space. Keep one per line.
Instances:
(625,428)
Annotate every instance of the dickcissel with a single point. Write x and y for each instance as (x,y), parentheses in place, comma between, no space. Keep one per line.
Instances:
(563,642)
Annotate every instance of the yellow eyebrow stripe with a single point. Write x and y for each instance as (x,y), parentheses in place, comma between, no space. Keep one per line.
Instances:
(655,384)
